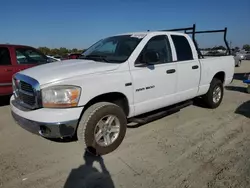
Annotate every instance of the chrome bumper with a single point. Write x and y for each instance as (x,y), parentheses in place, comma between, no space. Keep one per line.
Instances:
(47,130)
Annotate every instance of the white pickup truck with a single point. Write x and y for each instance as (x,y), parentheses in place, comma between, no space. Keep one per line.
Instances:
(117,78)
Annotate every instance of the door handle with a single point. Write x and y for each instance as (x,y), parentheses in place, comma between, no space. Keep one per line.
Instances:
(8,70)
(170,71)
(195,67)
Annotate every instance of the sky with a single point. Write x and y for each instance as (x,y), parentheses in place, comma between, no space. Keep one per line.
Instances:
(80,23)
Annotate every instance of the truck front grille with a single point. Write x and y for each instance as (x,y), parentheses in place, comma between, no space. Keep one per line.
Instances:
(26,87)
(27,91)
(26,94)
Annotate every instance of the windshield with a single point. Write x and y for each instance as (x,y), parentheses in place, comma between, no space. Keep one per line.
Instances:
(116,49)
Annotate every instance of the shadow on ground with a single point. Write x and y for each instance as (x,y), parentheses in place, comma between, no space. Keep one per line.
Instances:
(63,140)
(236,88)
(240,76)
(244,109)
(4,100)
(87,176)
(199,102)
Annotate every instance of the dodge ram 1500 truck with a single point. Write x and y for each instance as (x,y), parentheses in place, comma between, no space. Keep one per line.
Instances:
(117,78)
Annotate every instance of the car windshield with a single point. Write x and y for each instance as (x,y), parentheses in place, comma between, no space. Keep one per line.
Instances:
(116,49)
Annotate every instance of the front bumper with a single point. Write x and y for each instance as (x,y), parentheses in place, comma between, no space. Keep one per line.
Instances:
(49,123)
(48,130)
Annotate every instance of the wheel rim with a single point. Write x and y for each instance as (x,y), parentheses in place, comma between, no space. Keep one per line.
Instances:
(107,130)
(216,94)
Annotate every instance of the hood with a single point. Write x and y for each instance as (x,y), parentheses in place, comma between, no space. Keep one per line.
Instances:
(56,71)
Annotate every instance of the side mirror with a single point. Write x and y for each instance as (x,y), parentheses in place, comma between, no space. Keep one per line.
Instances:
(151,57)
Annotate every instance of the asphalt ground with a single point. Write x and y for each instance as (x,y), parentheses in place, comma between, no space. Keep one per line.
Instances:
(195,147)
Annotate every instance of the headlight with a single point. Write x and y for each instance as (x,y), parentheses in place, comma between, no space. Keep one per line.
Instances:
(60,96)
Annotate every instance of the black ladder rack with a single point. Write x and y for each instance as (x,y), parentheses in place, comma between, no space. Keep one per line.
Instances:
(192,30)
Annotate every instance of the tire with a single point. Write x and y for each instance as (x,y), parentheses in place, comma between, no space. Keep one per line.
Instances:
(88,126)
(248,89)
(209,99)
(239,64)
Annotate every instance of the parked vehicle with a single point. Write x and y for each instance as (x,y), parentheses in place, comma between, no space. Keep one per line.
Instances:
(115,81)
(247,56)
(53,59)
(74,56)
(237,61)
(242,54)
(14,58)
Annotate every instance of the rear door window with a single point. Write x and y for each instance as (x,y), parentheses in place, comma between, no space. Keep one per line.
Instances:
(4,56)
(182,47)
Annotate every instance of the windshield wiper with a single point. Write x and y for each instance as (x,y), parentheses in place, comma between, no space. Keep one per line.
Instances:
(95,57)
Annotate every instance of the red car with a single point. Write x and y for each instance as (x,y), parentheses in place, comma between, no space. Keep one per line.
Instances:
(74,56)
(14,58)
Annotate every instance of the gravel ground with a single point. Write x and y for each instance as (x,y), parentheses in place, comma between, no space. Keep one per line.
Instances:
(195,147)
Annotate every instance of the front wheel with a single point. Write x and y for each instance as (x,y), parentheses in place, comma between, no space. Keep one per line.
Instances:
(102,128)
(214,95)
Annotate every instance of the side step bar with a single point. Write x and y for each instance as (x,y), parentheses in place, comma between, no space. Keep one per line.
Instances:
(151,116)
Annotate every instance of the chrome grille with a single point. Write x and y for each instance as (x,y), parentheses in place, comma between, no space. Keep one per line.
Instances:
(27,91)
(26,87)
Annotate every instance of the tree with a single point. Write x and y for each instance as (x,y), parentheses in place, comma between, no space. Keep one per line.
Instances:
(61,51)
(74,50)
(246,47)
(54,51)
(44,50)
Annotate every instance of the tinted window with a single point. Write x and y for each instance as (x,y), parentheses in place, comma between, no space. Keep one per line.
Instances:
(4,56)
(159,44)
(182,47)
(29,56)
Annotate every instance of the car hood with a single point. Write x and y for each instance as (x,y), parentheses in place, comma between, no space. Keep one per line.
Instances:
(56,71)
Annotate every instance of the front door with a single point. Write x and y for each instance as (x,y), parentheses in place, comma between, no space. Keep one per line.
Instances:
(155,84)
(6,72)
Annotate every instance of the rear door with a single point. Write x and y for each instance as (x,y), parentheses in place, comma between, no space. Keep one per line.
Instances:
(188,68)
(6,71)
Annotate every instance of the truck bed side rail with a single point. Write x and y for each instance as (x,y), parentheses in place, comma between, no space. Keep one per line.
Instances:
(228,52)
(192,30)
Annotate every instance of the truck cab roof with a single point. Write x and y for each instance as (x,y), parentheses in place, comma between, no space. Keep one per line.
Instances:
(14,45)
(151,33)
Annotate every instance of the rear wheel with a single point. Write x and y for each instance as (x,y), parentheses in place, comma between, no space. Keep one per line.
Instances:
(102,128)
(215,93)
(248,89)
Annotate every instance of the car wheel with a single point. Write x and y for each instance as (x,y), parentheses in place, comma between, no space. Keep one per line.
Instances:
(214,95)
(248,89)
(102,128)
(239,64)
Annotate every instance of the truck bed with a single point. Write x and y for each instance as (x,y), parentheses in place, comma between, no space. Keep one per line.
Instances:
(211,65)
